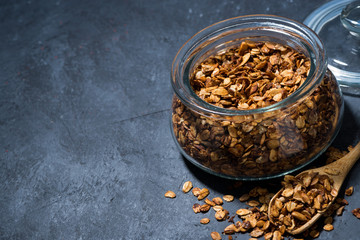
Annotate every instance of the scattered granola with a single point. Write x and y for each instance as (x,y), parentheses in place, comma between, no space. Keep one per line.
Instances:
(301,198)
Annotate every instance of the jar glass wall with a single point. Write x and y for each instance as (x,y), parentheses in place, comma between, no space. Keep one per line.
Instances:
(264,142)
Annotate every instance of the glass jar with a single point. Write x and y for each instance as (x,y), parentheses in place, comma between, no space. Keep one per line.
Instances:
(259,143)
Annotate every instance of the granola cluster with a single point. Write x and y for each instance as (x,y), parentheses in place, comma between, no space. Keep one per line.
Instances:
(301,198)
(254,75)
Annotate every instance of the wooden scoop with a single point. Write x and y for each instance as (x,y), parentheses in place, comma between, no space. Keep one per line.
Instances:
(338,171)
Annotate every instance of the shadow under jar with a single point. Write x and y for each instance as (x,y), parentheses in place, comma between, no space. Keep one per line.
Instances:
(264,142)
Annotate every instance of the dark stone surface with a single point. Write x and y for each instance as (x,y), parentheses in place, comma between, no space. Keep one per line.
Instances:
(85,145)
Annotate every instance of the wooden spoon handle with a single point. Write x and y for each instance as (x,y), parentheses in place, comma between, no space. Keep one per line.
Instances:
(345,163)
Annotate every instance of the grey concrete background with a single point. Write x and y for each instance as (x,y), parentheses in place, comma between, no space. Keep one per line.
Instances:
(85,145)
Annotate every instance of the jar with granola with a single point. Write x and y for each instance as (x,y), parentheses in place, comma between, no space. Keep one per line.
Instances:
(254,98)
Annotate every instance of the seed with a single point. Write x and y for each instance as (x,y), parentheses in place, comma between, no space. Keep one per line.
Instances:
(205,221)
(215,236)
(228,198)
(328,227)
(170,194)
(217,201)
(187,186)
(203,193)
(349,191)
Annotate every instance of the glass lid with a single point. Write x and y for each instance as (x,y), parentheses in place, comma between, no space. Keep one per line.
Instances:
(338,25)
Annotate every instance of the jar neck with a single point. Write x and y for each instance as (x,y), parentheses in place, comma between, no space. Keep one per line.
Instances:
(232,32)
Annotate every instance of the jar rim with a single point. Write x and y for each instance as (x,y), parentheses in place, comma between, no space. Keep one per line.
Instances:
(259,22)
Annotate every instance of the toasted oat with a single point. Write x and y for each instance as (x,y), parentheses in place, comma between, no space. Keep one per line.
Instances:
(220,215)
(204,220)
(356,212)
(203,193)
(215,236)
(217,208)
(228,198)
(231,229)
(170,194)
(328,227)
(243,212)
(187,186)
(196,191)
(205,208)
(349,191)
(244,197)
(217,201)
(253,203)
(209,202)
(340,210)
(196,208)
